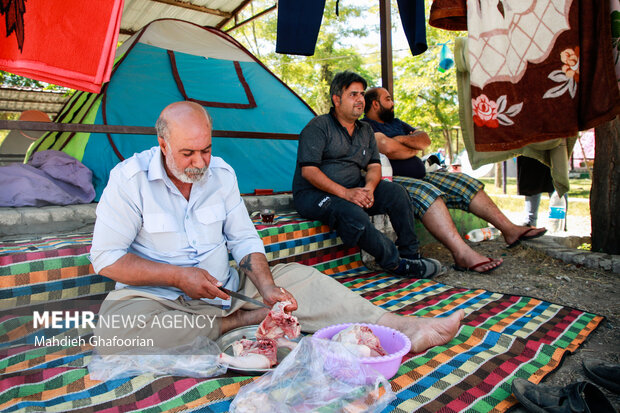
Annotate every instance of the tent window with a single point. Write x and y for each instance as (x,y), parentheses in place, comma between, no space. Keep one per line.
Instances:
(211,82)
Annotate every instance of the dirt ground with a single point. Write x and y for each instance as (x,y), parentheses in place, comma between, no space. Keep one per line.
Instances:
(529,272)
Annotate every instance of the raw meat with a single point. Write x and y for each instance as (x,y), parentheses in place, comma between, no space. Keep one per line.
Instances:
(277,324)
(361,341)
(261,354)
(267,348)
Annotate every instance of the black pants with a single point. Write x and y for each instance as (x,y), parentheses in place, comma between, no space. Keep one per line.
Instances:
(353,226)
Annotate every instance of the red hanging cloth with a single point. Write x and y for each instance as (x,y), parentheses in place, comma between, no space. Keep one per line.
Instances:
(65,42)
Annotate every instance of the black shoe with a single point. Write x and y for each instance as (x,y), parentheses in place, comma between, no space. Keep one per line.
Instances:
(418,268)
(581,397)
(603,373)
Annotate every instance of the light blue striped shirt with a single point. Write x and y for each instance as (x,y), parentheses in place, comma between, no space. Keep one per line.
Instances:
(142,212)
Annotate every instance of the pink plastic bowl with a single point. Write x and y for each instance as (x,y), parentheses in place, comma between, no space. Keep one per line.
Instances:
(395,343)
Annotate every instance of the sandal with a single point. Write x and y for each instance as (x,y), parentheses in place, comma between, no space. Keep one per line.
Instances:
(525,237)
(480,264)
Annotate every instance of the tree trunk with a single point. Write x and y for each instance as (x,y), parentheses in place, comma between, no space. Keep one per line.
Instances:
(605,193)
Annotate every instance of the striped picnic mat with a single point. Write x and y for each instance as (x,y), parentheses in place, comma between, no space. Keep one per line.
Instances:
(503,336)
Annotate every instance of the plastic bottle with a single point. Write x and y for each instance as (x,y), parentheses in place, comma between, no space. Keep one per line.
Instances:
(481,234)
(386,168)
(557,213)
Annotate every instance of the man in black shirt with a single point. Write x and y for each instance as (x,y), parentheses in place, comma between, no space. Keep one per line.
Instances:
(329,183)
(434,192)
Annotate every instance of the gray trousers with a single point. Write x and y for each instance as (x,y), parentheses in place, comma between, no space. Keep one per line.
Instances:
(322,301)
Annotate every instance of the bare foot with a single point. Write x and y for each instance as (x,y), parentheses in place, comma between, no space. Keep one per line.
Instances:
(515,233)
(243,318)
(472,258)
(425,332)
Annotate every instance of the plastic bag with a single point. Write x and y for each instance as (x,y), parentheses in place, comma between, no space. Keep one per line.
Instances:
(317,374)
(197,359)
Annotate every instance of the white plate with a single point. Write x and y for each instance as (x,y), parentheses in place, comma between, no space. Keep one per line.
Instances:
(226,341)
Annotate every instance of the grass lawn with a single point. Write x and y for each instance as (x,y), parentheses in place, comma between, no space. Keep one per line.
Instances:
(579,188)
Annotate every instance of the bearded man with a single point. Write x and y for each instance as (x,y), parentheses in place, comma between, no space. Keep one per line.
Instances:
(433,193)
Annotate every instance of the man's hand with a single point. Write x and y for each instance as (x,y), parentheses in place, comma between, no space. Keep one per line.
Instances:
(198,283)
(417,139)
(273,294)
(362,197)
(393,148)
(255,266)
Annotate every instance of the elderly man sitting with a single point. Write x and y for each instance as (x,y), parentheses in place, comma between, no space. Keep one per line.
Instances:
(164,226)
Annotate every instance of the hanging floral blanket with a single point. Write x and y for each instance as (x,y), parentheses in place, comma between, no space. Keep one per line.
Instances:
(539,70)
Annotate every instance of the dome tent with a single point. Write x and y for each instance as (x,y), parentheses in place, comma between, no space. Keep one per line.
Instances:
(256,117)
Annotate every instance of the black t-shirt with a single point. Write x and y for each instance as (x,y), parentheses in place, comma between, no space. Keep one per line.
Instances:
(412,167)
(326,144)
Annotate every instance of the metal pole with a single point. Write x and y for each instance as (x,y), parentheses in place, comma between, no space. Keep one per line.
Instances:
(385,23)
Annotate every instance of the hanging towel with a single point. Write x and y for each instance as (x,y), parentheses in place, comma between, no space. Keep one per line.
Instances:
(448,15)
(65,42)
(539,70)
(553,153)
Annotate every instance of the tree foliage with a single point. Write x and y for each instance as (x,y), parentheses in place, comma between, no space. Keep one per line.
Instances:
(13,80)
(425,97)
(9,79)
(309,76)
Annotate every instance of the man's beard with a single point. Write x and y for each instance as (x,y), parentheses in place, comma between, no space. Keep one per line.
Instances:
(188,175)
(386,115)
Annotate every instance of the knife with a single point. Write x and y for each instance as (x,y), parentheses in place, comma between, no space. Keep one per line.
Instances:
(244,297)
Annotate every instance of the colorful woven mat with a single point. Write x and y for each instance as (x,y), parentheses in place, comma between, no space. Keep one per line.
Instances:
(44,243)
(279,220)
(504,336)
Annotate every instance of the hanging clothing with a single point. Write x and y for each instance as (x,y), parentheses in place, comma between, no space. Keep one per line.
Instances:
(298,26)
(299,23)
(539,70)
(414,24)
(533,177)
(449,15)
(65,42)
